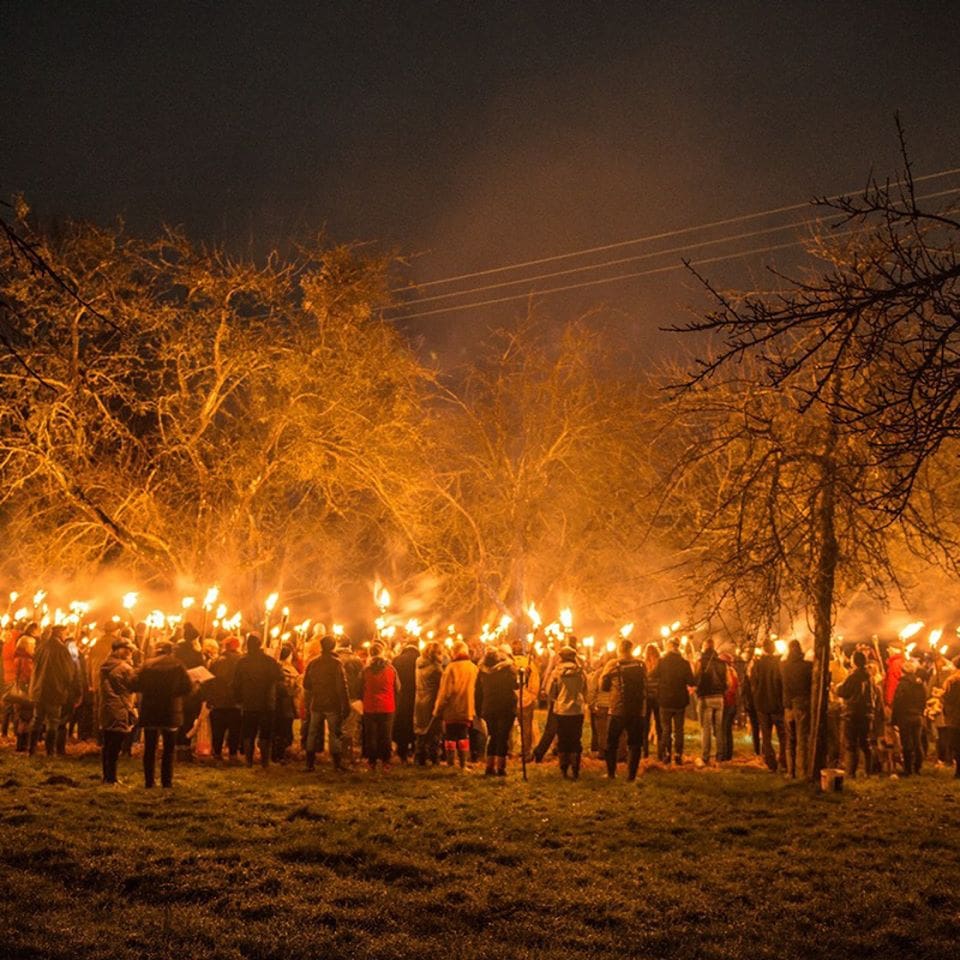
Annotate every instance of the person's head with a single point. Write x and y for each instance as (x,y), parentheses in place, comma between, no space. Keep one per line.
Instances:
(795,650)
(163,648)
(460,650)
(674,644)
(626,648)
(768,646)
(57,632)
(111,626)
(254,643)
(286,652)
(708,642)
(910,666)
(506,651)
(328,643)
(490,659)
(652,655)
(231,642)
(122,648)
(376,649)
(32,629)
(568,655)
(859,659)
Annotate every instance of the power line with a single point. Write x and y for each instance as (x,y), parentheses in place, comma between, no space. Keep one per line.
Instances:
(625,276)
(659,236)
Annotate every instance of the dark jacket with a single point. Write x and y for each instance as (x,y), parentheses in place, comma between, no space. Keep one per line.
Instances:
(188,654)
(909,700)
(56,680)
(162,682)
(496,691)
(325,685)
(255,682)
(118,710)
(219,690)
(711,675)
(428,685)
(766,684)
(797,676)
(674,676)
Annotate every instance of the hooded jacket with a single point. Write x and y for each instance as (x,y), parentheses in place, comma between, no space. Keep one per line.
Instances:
(711,675)
(118,710)
(381,685)
(496,692)
(797,676)
(219,690)
(456,698)
(353,671)
(626,679)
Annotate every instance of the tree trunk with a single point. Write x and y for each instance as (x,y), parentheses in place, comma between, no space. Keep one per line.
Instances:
(824,580)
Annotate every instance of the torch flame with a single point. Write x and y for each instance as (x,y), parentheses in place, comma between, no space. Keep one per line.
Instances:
(130,600)
(534,615)
(675,626)
(910,629)
(566,618)
(211,598)
(935,636)
(271,602)
(626,630)
(338,629)
(38,597)
(187,603)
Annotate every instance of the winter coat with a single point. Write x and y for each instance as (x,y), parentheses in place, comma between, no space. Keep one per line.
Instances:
(496,692)
(766,684)
(255,682)
(569,690)
(797,676)
(325,685)
(674,676)
(56,680)
(219,690)
(951,700)
(118,710)
(427,686)
(909,701)
(9,646)
(288,692)
(22,671)
(188,654)
(711,675)
(455,699)
(353,670)
(162,682)
(381,687)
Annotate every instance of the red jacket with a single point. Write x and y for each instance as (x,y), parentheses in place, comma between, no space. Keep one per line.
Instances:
(380,687)
(894,672)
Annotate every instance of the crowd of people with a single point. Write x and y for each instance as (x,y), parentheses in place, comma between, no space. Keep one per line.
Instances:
(466,703)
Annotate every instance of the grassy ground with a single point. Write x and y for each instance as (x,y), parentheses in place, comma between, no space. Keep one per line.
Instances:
(236,863)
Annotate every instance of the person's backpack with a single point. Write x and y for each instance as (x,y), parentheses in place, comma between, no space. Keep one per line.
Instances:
(864,699)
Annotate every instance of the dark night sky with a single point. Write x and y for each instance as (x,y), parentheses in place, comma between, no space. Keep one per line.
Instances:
(470,134)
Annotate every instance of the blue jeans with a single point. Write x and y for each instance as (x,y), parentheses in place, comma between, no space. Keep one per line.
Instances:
(711,714)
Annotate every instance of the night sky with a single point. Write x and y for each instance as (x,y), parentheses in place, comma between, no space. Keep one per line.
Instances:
(471,135)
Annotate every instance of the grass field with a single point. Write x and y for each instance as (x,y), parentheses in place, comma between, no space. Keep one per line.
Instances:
(438,863)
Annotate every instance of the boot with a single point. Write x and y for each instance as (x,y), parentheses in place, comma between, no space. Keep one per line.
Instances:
(611,764)
(576,766)
(564,764)
(502,767)
(265,753)
(491,767)
(337,762)
(248,747)
(633,763)
(462,758)
(450,752)
(32,743)
(311,760)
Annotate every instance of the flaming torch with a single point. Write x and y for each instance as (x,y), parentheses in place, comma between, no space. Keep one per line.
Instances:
(208,601)
(268,606)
